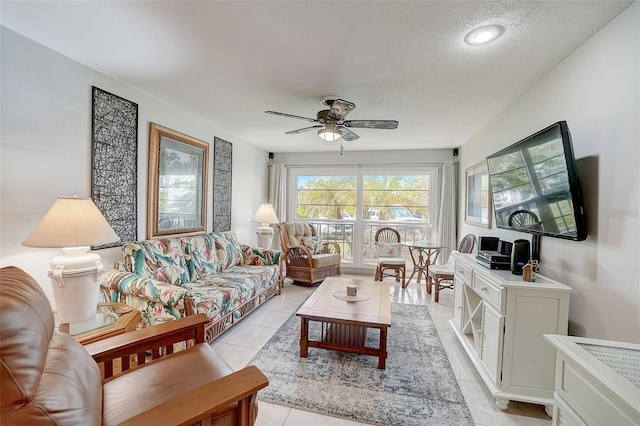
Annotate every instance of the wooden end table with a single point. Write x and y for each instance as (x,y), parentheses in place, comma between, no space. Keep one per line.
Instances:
(344,323)
(111,319)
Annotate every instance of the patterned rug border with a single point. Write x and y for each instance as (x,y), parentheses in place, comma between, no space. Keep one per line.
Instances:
(416,389)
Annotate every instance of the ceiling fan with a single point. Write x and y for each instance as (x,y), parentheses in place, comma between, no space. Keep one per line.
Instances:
(331,123)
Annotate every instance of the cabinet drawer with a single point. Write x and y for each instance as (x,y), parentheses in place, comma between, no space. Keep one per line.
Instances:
(464,272)
(488,290)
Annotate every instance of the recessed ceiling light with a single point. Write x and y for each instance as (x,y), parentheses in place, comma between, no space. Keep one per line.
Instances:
(483,35)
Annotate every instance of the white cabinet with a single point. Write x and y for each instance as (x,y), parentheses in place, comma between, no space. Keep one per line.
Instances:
(500,320)
(597,382)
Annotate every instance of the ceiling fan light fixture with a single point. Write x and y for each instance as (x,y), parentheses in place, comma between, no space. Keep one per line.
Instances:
(329,133)
(483,35)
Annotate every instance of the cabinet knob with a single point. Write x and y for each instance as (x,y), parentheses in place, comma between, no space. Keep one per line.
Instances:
(484,289)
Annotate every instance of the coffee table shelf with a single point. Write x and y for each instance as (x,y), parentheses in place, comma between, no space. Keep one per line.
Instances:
(345,324)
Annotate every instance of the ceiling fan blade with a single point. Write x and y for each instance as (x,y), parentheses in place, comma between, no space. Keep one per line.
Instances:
(347,134)
(339,109)
(305,129)
(371,124)
(313,120)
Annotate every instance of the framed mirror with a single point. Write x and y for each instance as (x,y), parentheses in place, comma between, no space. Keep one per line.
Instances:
(177,194)
(478,196)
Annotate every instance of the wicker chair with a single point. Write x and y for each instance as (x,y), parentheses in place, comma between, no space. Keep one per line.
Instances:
(307,259)
(397,264)
(442,275)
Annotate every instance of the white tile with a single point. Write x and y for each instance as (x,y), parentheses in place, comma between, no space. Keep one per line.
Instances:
(271,414)
(484,410)
(236,356)
(249,335)
(268,317)
(291,298)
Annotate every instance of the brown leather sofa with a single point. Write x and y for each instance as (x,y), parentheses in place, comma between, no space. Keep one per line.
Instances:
(48,378)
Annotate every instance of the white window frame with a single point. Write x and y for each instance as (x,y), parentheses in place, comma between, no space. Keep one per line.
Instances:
(359,172)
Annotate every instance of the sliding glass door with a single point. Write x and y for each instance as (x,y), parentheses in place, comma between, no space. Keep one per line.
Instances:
(348,205)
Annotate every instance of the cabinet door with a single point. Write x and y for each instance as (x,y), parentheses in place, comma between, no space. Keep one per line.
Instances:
(458,300)
(531,312)
(491,343)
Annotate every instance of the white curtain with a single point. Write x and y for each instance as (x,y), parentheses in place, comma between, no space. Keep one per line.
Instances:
(278,194)
(278,189)
(447,217)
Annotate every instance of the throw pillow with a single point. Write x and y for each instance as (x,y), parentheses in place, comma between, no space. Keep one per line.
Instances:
(314,244)
(388,249)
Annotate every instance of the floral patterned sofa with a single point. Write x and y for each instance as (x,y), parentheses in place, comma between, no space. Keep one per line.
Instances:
(213,274)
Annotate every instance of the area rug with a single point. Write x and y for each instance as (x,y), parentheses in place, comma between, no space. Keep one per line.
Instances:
(417,387)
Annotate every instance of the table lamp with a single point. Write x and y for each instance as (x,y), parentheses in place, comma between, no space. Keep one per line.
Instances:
(265,216)
(74,224)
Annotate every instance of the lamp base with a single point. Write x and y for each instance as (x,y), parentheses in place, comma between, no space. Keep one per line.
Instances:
(265,236)
(74,280)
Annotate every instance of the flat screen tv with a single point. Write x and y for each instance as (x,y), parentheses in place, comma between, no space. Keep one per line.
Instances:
(535,185)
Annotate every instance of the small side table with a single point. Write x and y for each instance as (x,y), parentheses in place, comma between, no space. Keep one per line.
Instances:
(423,254)
(111,319)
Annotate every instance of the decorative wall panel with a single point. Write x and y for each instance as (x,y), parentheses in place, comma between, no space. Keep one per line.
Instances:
(114,163)
(222,156)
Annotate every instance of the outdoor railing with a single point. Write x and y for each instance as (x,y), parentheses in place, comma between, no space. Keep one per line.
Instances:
(342,233)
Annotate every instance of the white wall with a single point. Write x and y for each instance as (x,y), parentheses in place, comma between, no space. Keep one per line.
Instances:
(597,91)
(46,149)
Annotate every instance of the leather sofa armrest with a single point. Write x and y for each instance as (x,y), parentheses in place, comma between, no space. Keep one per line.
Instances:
(240,386)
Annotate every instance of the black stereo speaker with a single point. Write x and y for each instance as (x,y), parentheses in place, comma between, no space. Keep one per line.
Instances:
(505,248)
(520,255)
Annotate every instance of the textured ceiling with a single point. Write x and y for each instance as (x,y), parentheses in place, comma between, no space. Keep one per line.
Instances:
(396,60)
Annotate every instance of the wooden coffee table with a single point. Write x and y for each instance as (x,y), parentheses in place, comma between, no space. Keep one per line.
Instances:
(344,324)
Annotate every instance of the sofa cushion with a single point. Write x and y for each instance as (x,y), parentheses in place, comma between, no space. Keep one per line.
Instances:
(124,395)
(161,259)
(201,253)
(295,231)
(313,243)
(324,260)
(219,293)
(259,256)
(228,249)
(253,278)
(388,249)
(210,299)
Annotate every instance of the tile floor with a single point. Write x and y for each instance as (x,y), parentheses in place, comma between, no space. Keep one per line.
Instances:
(239,345)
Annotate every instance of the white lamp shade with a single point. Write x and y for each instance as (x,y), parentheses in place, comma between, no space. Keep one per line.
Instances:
(72,222)
(265,214)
